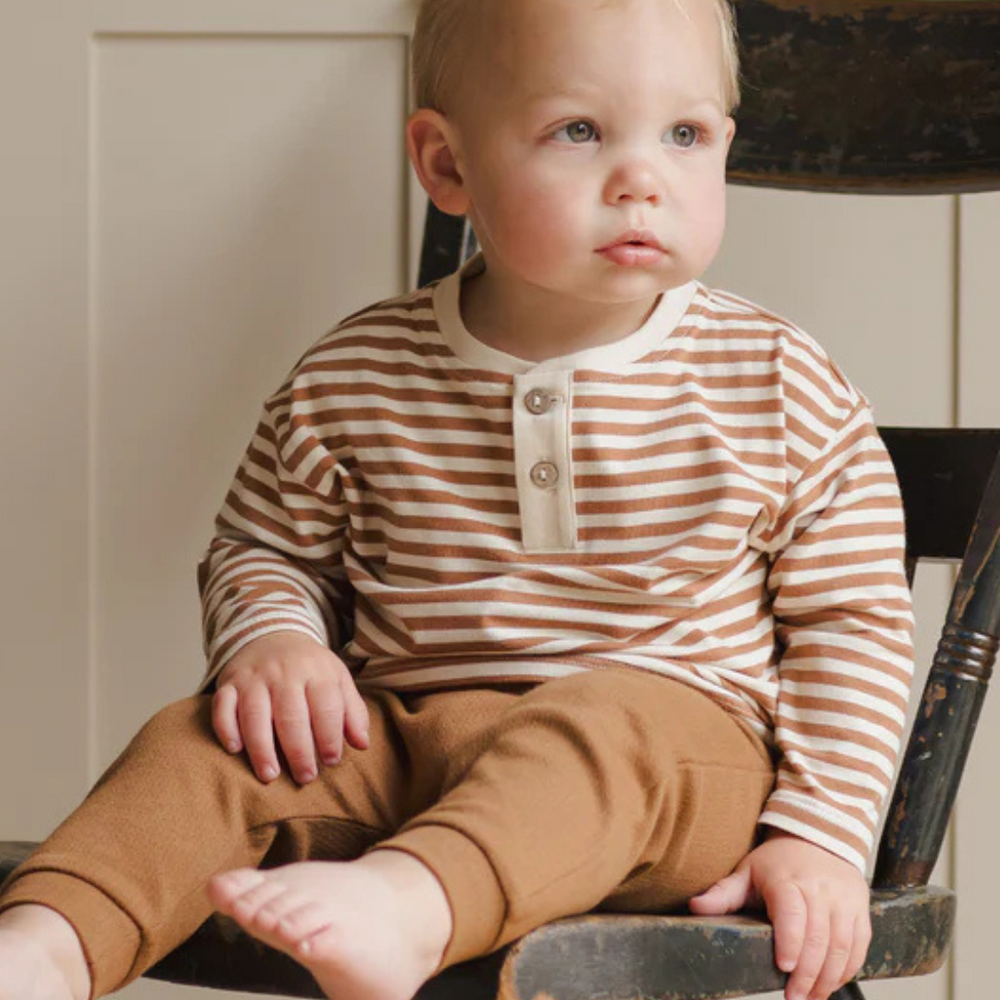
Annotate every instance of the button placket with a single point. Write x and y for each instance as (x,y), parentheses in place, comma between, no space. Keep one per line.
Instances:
(542,458)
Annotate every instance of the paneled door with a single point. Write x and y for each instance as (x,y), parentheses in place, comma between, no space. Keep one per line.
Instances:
(191,192)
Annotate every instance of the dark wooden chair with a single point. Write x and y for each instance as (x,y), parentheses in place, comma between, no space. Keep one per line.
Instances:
(951,490)
(847,95)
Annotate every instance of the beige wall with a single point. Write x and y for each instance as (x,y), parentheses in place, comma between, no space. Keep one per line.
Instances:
(191,193)
(978,812)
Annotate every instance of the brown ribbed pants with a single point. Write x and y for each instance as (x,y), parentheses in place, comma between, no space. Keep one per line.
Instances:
(611,789)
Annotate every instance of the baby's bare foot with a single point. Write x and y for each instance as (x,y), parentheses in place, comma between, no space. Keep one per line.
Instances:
(371,929)
(40,956)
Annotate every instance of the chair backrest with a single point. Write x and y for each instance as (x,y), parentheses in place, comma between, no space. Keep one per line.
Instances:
(950,480)
(875,96)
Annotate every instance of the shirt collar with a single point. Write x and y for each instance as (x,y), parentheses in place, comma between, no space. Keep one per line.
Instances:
(663,320)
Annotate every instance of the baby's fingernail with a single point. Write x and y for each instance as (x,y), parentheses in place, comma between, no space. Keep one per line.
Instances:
(307,776)
(232,746)
(269,773)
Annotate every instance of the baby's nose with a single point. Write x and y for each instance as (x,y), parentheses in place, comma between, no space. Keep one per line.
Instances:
(633,180)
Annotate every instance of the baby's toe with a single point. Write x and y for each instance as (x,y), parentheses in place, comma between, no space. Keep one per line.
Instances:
(225,889)
(267,917)
(249,905)
(303,922)
(319,946)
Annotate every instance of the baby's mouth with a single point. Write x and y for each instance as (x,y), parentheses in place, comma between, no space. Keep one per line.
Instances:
(636,238)
(634,248)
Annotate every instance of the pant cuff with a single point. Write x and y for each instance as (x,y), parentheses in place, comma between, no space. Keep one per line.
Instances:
(478,903)
(109,936)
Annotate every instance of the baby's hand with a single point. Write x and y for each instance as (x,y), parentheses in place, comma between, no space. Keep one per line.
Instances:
(288,684)
(817,903)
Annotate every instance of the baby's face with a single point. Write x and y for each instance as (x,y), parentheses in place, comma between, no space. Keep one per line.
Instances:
(594,149)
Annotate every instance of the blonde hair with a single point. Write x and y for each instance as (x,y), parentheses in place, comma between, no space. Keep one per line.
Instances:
(443,25)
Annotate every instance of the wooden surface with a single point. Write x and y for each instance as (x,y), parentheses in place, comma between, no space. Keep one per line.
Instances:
(589,957)
(867,96)
(688,958)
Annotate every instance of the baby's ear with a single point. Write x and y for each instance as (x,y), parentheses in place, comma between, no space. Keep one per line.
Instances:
(430,141)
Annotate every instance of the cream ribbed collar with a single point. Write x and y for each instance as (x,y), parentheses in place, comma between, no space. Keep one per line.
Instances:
(662,321)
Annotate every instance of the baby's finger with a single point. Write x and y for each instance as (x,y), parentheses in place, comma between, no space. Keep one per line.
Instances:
(726,896)
(224,720)
(812,958)
(356,721)
(293,725)
(786,907)
(257,730)
(832,976)
(326,708)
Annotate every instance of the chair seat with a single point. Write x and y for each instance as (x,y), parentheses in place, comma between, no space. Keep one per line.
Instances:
(591,957)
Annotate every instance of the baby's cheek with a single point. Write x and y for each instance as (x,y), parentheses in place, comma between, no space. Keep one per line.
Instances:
(706,223)
(552,211)
(536,225)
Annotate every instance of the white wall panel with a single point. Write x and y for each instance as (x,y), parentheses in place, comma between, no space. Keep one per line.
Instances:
(43,420)
(311,17)
(248,193)
(868,277)
(191,194)
(978,811)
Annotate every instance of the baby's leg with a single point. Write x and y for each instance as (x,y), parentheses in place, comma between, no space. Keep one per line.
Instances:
(375,928)
(128,870)
(40,956)
(611,789)
(615,788)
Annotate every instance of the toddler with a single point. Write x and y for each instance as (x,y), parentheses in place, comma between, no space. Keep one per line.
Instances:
(565,584)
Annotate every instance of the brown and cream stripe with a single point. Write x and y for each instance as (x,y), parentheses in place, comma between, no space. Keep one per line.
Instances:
(707,499)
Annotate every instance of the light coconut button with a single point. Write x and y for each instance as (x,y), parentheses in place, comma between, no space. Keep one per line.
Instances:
(544,475)
(538,401)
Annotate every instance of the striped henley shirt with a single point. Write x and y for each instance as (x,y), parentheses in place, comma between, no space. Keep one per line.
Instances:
(707,499)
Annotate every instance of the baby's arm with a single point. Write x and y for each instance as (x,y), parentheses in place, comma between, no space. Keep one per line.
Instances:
(844,624)
(275,596)
(287,684)
(817,903)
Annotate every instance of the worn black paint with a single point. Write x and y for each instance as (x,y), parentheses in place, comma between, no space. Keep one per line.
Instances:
(688,958)
(863,96)
(952,699)
(590,957)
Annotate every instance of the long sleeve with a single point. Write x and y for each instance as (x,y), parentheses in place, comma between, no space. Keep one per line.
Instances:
(275,562)
(844,628)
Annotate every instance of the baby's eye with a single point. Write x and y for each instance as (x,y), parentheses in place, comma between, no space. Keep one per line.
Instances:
(685,135)
(580,131)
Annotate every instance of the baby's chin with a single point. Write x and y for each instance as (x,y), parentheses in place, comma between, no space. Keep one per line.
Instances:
(632,288)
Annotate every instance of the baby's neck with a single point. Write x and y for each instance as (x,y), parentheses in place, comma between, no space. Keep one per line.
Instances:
(537,327)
